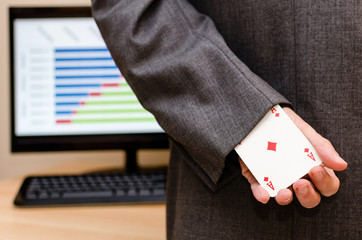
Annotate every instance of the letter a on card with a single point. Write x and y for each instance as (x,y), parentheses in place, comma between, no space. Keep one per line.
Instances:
(311,156)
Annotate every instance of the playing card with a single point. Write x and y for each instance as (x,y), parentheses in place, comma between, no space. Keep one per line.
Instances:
(276,152)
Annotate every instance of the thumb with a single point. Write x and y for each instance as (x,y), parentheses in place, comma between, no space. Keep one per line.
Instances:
(323,146)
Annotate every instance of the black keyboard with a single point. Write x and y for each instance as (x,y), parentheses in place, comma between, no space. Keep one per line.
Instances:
(92,189)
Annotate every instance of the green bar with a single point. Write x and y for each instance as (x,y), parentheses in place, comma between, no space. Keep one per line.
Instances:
(113,120)
(111,111)
(116,93)
(110,102)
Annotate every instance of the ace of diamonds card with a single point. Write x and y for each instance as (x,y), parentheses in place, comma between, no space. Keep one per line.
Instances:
(276,152)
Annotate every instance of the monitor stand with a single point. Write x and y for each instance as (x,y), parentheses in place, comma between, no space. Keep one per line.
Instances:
(131,161)
(131,165)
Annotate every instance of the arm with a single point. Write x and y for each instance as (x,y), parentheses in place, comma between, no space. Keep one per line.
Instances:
(182,71)
(203,96)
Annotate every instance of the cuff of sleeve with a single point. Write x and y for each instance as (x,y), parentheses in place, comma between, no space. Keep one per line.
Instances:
(213,169)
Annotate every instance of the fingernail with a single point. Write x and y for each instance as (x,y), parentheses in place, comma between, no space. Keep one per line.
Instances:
(303,189)
(288,200)
(338,158)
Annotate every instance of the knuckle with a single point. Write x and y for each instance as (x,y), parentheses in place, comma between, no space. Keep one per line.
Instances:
(326,143)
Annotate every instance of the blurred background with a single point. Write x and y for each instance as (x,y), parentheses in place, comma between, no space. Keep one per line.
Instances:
(16,164)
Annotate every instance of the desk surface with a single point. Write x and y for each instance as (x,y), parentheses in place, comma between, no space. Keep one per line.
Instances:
(86,222)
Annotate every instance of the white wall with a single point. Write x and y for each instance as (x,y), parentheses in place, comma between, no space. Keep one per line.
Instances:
(15,164)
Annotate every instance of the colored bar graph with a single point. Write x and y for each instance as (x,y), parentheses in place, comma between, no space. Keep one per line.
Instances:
(78,85)
(84,59)
(63,112)
(64,121)
(116,93)
(141,110)
(85,68)
(94,94)
(72,94)
(67,103)
(87,85)
(110,84)
(81,50)
(91,92)
(109,102)
(96,103)
(105,120)
(88,76)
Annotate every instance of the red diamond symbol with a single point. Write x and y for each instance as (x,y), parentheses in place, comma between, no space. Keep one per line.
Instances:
(272,146)
(306,149)
(277,114)
(266,179)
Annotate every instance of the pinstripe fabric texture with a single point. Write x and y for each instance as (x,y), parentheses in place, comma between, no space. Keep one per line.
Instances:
(209,70)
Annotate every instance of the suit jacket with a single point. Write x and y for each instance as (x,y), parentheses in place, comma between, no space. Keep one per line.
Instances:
(210,69)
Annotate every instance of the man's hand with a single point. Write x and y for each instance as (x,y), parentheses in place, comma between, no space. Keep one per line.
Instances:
(322,179)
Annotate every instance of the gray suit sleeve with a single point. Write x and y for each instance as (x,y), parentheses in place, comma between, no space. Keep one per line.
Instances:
(182,71)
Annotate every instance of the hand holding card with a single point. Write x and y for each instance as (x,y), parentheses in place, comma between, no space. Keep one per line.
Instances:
(278,154)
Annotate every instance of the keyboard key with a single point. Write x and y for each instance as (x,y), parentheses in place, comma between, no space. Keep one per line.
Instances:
(158,192)
(145,192)
(31,196)
(132,192)
(120,193)
(87,194)
(55,195)
(43,195)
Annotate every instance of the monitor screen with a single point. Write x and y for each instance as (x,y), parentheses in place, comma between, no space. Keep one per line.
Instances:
(67,93)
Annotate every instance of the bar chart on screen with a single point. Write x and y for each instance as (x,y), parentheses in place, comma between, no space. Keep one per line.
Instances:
(90,89)
(74,83)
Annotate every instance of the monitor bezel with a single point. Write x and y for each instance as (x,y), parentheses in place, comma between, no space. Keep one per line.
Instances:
(128,142)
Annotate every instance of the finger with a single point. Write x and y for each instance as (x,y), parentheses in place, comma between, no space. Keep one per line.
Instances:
(258,191)
(327,153)
(306,194)
(284,196)
(324,180)
(323,146)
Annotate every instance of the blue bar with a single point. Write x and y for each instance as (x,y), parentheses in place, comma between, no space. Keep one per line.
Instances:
(82,50)
(71,94)
(78,85)
(63,112)
(79,68)
(66,103)
(89,76)
(83,59)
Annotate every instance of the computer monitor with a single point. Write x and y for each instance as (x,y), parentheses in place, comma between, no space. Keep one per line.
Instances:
(66,91)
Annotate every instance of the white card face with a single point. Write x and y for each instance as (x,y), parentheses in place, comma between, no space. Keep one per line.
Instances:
(276,152)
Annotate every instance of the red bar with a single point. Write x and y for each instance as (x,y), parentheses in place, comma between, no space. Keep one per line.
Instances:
(64,121)
(95,94)
(110,84)
(82,103)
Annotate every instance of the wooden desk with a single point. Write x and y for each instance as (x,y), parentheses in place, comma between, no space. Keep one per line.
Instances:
(94,222)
